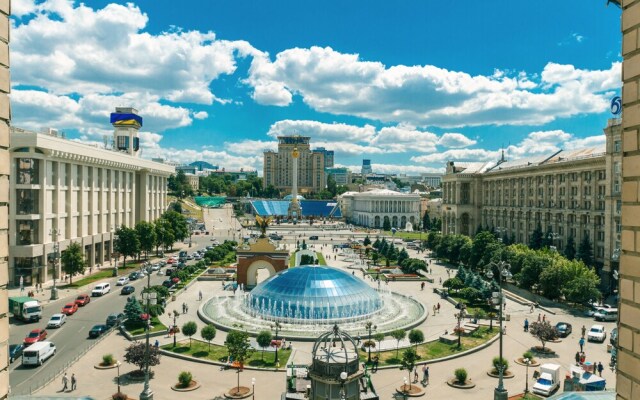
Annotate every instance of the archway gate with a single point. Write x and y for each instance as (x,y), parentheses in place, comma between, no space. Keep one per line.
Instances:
(254,256)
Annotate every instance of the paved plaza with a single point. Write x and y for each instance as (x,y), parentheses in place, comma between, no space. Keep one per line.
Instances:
(269,384)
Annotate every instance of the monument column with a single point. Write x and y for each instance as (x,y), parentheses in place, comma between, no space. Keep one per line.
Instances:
(294,207)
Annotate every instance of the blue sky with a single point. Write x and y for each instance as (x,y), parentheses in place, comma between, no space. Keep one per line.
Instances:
(408,84)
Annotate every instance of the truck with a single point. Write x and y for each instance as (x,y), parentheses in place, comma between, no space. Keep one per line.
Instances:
(25,308)
(548,380)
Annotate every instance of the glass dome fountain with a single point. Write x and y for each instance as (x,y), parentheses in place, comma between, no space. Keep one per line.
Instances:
(313,293)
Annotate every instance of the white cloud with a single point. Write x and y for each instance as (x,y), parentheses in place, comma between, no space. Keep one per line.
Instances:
(319,130)
(396,169)
(457,155)
(20,8)
(200,115)
(250,147)
(589,141)
(455,140)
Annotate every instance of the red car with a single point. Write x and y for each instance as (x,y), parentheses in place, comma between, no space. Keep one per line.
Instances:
(83,300)
(70,309)
(36,335)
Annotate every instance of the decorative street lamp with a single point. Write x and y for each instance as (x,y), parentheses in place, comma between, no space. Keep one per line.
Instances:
(118,366)
(175,316)
(56,255)
(503,268)
(343,379)
(253,388)
(370,326)
(459,316)
(526,381)
(276,327)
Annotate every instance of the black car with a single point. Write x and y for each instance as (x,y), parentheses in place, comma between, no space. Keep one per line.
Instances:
(169,271)
(98,330)
(314,237)
(563,328)
(127,289)
(15,351)
(114,319)
(134,275)
(168,283)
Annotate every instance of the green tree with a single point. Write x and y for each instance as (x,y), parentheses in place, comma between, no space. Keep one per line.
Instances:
(581,283)
(386,224)
(570,248)
(133,310)
(375,257)
(478,249)
(378,337)
(426,221)
(189,329)
(453,284)
(402,256)
(585,251)
(416,336)
(126,243)
(178,224)
(146,236)
(367,241)
(72,260)
(543,331)
(398,335)
(332,187)
(238,347)
(136,354)
(408,362)
(535,242)
(264,340)
(208,333)
(552,280)
(164,234)
(547,240)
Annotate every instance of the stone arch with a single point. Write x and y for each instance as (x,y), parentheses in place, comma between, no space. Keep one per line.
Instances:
(252,271)
(464,228)
(403,222)
(394,221)
(376,222)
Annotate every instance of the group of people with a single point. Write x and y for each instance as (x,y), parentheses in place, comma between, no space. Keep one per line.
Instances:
(425,374)
(65,382)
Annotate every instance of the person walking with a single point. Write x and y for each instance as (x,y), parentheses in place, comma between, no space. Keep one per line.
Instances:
(438,308)
(526,325)
(73,382)
(584,330)
(600,369)
(539,316)
(581,343)
(415,374)
(200,295)
(577,358)
(65,382)
(425,375)
(544,317)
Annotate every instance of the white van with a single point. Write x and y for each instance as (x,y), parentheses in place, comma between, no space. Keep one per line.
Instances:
(38,353)
(101,289)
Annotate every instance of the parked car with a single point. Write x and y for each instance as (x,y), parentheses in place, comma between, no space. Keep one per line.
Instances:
(82,300)
(190,257)
(198,256)
(15,351)
(36,335)
(162,263)
(97,330)
(134,275)
(115,319)
(123,280)
(606,314)
(127,290)
(564,329)
(70,309)
(56,321)
(597,333)
(168,283)
(169,271)
(155,267)
(313,237)
(101,289)
(613,338)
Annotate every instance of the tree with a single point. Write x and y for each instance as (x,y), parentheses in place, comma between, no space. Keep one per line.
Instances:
(547,240)
(408,362)
(570,248)
(453,283)
(126,243)
(136,354)
(498,362)
(332,186)
(72,260)
(189,329)
(535,242)
(585,251)
(552,280)
(133,310)
(164,234)
(178,224)
(146,236)
(581,283)
(378,337)
(386,224)
(426,221)
(398,335)
(543,331)
(402,256)
(416,337)
(374,257)
(367,241)
(264,340)
(478,249)
(238,347)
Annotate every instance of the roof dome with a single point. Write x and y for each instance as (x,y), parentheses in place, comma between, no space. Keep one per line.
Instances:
(313,293)
(290,196)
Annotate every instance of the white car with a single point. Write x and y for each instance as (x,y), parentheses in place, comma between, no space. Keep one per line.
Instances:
(56,321)
(597,333)
(123,280)
(155,267)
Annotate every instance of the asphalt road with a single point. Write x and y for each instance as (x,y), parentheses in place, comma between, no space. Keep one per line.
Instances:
(72,338)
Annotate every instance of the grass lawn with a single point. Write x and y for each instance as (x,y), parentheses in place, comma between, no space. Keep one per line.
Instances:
(407,235)
(472,308)
(292,260)
(138,328)
(193,212)
(219,353)
(321,260)
(433,350)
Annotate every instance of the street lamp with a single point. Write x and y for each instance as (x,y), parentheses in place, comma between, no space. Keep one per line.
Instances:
(147,393)
(526,381)
(370,326)
(404,388)
(253,388)
(118,366)
(175,316)
(56,254)
(459,316)
(277,327)
(503,268)
(190,233)
(343,379)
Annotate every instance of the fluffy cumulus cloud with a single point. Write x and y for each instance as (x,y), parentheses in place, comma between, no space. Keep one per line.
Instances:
(338,83)
(200,115)
(322,131)
(397,169)
(455,140)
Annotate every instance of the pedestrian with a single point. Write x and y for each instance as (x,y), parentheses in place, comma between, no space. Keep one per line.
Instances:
(200,295)
(438,307)
(531,307)
(73,382)
(577,358)
(539,317)
(504,329)
(581,343)
(434,309)
(441,281)
(184,308)
(422,286)
(584,330)
(425,375)
(375,363)
(544,317)
(415,374)
(65,382)
(600,369)
(526,325)
(156,344)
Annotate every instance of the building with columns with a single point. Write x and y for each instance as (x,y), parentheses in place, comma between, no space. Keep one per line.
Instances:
(278,166)
(574,192)
(65,191)
(372,208)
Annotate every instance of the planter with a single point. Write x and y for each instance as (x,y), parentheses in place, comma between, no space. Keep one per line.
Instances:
(412,390)
(111,366)
(546,352)
(453,382)
(505,375)
(241,392)
(122,396)
(193,385)
(137,376)
(532,363)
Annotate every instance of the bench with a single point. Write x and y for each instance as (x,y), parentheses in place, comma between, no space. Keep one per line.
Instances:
(449,339)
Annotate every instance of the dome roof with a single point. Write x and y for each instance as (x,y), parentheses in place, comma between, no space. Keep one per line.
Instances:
(290,196)
(314,293)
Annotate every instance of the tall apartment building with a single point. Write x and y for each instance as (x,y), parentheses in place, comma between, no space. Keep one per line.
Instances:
(278,166)
(574,192)
(65,191)
(5,116)
(366,167)
(329,156)
(628,378)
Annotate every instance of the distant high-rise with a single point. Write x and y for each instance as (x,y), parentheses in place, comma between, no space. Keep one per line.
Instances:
(328,156)
(278,166)
(366,167)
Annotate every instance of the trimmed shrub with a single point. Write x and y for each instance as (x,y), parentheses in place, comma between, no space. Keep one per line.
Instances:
(119,396)
(185,379)
(527,354)
(496,363)
(461,375)
(108,359)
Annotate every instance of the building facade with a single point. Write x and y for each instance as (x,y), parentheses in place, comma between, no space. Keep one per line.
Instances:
(372,208)
(342,176)
(278,166)
(65,191)
(5,117)
(628,378)
(571,193)
(329,156)
(432,180)
(366,167)
(194,181)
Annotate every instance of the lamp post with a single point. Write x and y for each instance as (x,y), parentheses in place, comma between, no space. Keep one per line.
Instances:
(526,380)
(190,233)
(175,316)
(369,326)
(118,366)
(253,388)
(56,255)
(343,379)
(459,316)
(404,388)
(277,327)
(147,393)
(500,393)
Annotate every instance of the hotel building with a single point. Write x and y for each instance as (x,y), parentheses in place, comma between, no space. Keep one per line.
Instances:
(278,166)
(572,192)
(64,191)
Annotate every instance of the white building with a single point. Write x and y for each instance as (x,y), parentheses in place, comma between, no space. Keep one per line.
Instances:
(372,208)
(66,191)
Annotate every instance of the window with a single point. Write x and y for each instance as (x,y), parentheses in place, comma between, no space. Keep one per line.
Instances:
(27,201)
(27,232)
(616,167)
(28,171)
(616,186)
(618,206)
(617,146)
